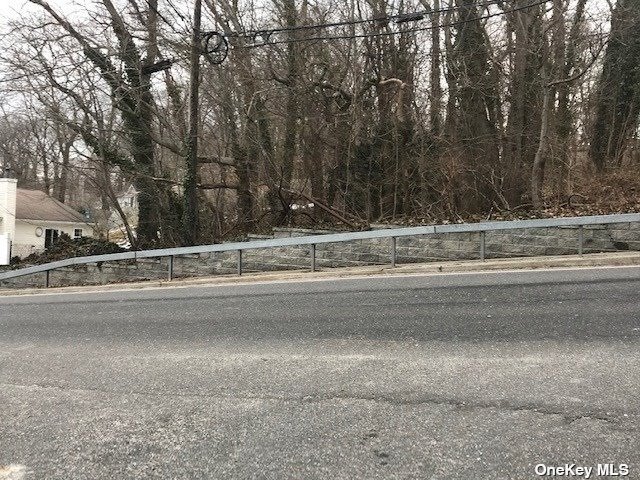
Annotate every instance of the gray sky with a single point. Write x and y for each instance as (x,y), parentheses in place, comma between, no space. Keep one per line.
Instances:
(13,8)
(10,9)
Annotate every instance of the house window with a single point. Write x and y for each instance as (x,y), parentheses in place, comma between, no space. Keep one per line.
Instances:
(77,233)
(50,237)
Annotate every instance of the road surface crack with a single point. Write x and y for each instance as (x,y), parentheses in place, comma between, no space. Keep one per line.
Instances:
(400,401)
(474,405)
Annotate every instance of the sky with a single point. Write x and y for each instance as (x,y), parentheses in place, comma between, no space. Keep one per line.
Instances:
(11,9)
(7,10)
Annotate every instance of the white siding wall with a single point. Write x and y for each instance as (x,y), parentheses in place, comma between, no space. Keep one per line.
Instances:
(27,242)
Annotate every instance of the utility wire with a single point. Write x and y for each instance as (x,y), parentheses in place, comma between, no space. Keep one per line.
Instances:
(163,18)
(398,18)
(175,9)
(399,32)
(221,47)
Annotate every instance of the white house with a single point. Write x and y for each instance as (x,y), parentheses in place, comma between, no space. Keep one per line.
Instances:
(128,201)
(32,221)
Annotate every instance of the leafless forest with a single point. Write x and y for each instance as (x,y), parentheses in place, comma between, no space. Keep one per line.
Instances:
(322,112)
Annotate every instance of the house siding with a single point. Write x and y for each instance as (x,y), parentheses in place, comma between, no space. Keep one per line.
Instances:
(27,242)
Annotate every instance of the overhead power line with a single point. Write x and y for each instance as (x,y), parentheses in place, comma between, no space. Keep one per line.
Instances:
(215,45)
(397,18)
(269,33)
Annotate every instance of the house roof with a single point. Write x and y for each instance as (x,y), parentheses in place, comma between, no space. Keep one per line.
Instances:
(130,191)
(37,205)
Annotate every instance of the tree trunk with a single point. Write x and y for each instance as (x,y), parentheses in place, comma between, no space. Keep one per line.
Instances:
(618,97)
(537,174)
(564,116)
(526,101)
(191,221)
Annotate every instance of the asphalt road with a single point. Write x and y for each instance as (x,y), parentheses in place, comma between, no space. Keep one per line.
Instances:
(447,377)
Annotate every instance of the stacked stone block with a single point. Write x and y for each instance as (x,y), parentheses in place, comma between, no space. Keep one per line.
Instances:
(417,249)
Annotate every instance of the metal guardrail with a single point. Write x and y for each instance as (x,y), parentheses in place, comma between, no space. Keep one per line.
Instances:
(313,241)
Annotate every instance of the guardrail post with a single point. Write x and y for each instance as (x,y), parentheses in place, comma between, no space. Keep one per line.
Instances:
(581,240)
(394,244)
(313,257)
(574,223)
(170,273)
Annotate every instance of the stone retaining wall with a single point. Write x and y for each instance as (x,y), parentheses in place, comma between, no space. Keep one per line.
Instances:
(423,249)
